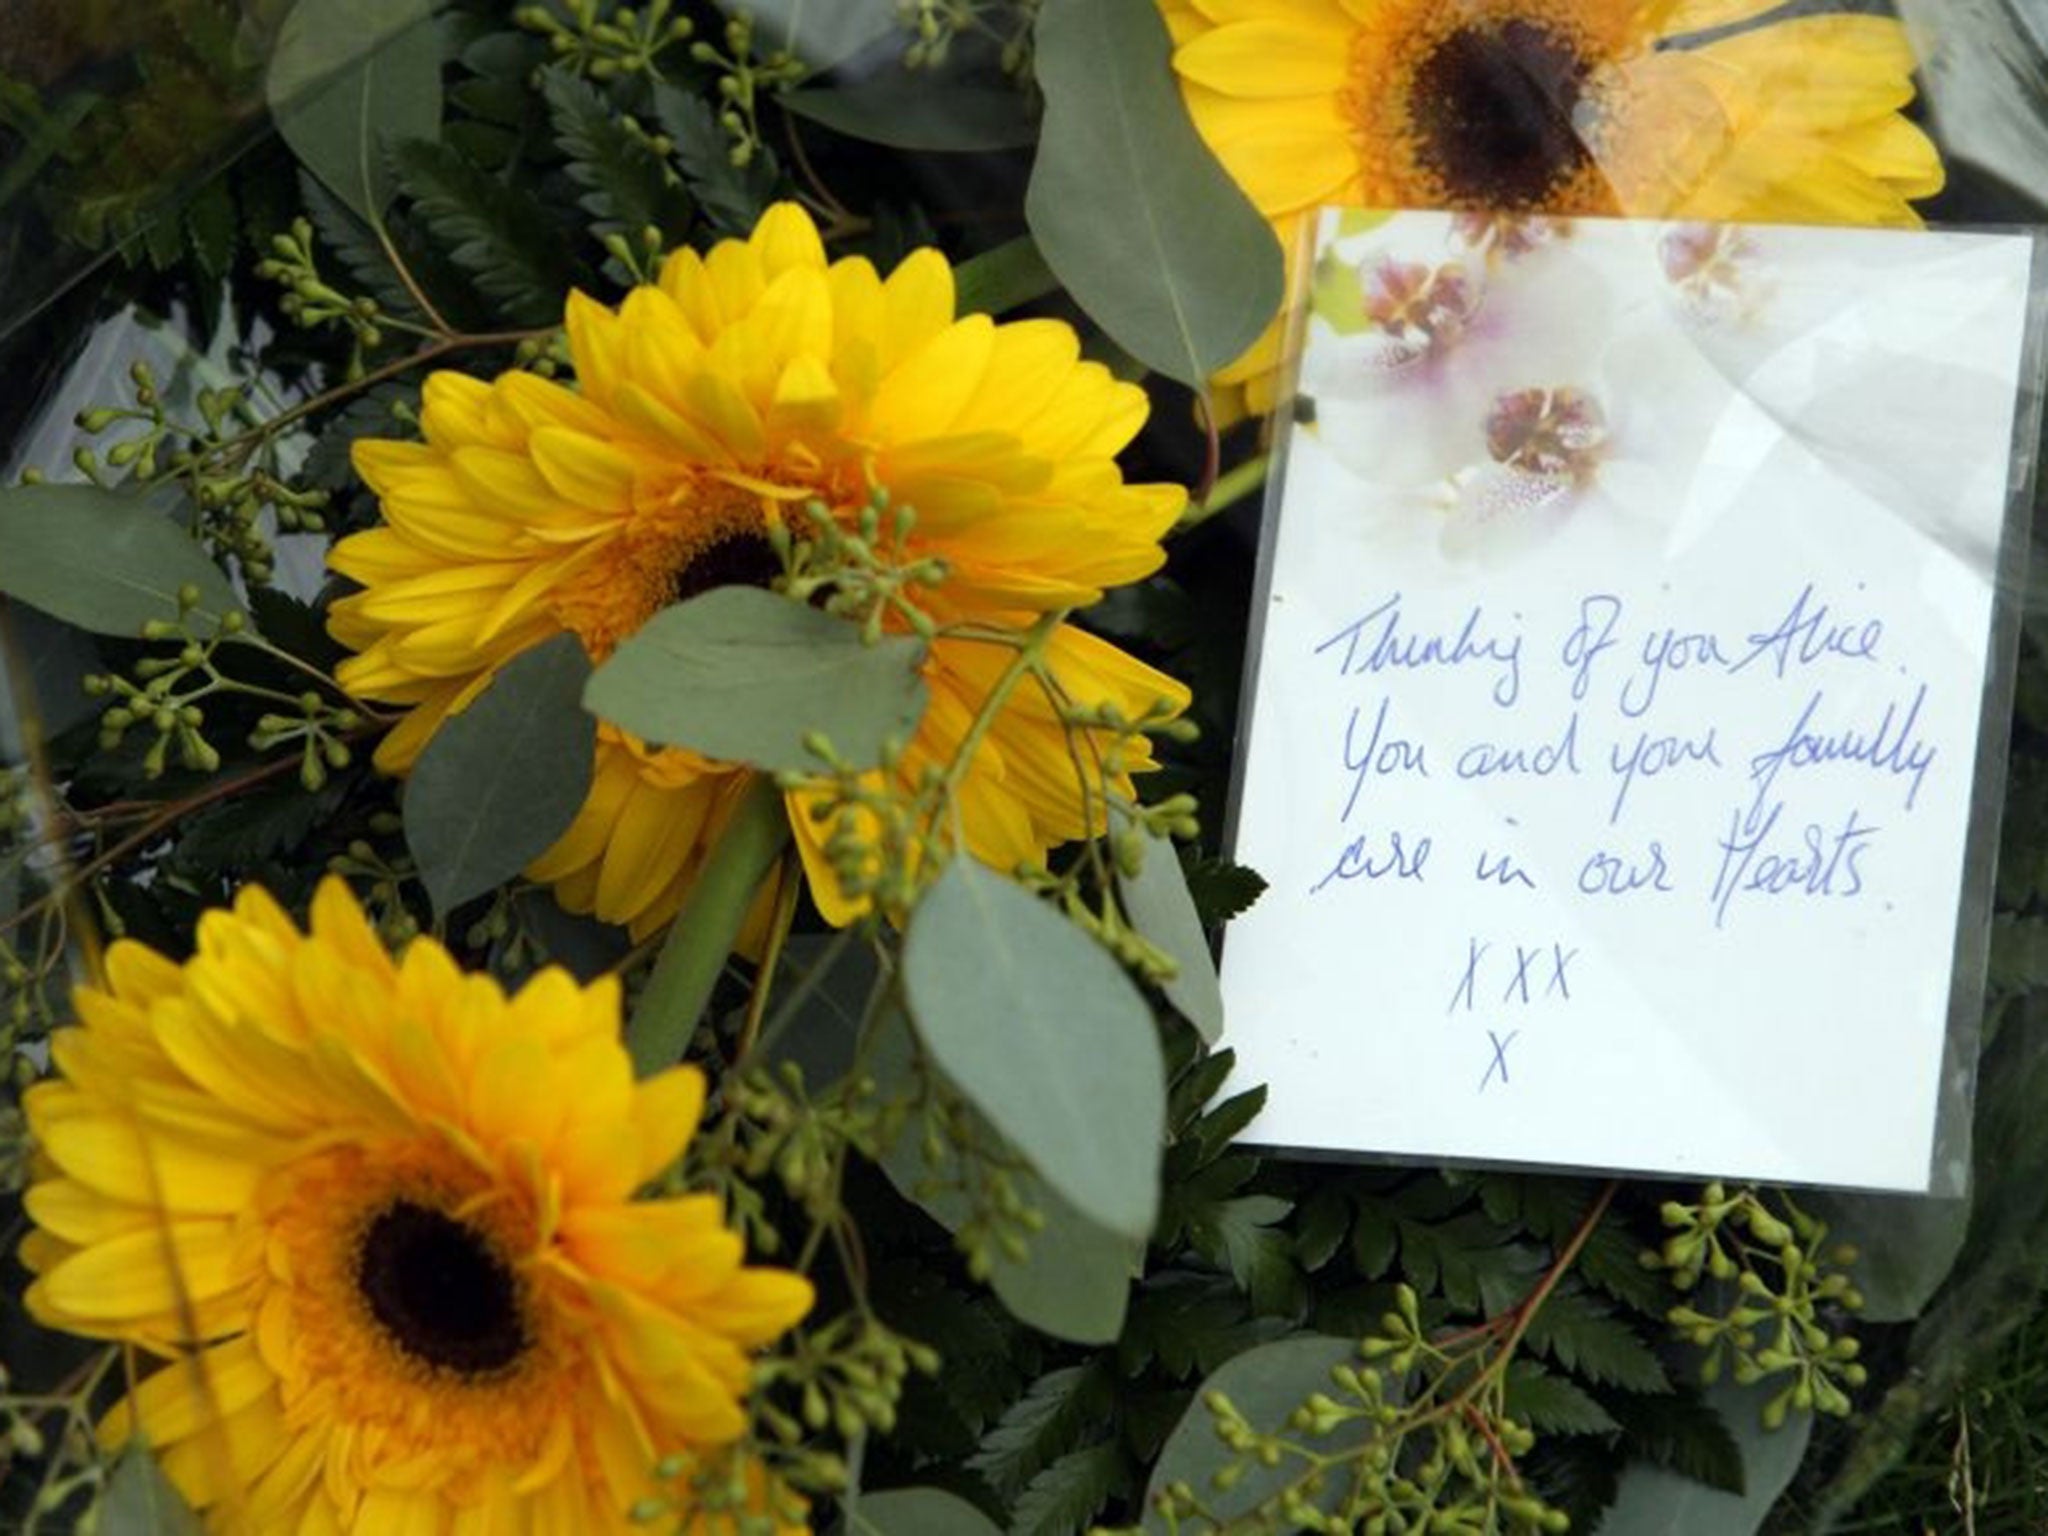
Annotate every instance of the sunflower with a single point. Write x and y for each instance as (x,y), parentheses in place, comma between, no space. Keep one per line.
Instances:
(1639,107)
(380,1220)
(749,381)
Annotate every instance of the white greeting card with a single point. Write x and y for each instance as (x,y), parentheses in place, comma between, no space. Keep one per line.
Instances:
(1625,634)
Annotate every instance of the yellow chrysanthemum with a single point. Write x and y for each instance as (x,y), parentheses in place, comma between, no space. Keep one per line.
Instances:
(381,1218)
(749,380)
(1562,106)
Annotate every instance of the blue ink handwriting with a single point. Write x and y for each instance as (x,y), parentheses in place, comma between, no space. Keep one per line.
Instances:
(1897,750)
(1382,755)
(1499,1064)
(1500,869)
(1356,862)
(1486,759)
(1666,650)
(1609,874)
(1652,755)
(1376,641)
(1582,647)
(1806,635)
(1827,867)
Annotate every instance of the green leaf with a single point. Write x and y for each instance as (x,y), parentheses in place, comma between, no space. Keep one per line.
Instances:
(346,73)
(1469,1258)
(253,827)
(1067,1495)
(140,1500)
(1324,1223)
(1581,1335)
(1222,890)
(1656,1502)
(1060,1411)
(1553,1405)
(1679,1431)
(731,196)
(103,560)
(744,676)
(1074,1281)
(1043,1031)
(1145,229)
(1158,903)
(626,186)
(1611,1261)
(498,232)
(905,113)
(917,1512)
(1266,1384)
(999,280)
(499,782)
(1907,1244)
(355,243)
(211,222)
(1244,1235)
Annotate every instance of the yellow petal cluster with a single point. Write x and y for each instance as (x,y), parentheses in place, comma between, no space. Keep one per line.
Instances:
(750,380)
(1693,109)
(376,1221)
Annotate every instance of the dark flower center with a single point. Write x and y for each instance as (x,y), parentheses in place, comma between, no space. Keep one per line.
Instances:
(1492,107)
(441,1290)
(741,557)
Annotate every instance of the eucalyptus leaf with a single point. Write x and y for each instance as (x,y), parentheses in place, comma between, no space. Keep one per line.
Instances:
(1907,1244)
(140,1500)
(1654,1502)
(998,280)
(103,560)
(1043,1032)
(1144,228)
(745,676)
(917,1512)
(904,112)
(1265,1384)
(1158,901)
(346,73)
(500,781)
(1074,1281)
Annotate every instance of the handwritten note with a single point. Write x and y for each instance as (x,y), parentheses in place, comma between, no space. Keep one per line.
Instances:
(1618,696)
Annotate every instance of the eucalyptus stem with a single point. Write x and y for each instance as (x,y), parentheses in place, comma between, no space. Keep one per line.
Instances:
(1227,492)
(705,929)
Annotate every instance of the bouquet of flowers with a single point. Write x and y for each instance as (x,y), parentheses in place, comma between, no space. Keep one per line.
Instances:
(623,642)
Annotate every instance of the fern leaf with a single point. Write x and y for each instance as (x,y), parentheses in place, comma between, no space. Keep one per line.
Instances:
(1681,1432)
(1584,1337)
(1050,1420)
(355,246)
(1222,889)
(1553,1405)
(499,233)
(626,187)
(1064,1498)
(731,196)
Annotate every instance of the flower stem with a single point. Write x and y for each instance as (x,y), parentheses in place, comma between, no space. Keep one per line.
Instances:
(712,914)
(1226,493)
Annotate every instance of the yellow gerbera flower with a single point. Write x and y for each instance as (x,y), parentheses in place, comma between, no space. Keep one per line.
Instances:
(382,1219)
(749,380)
(1564,106)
